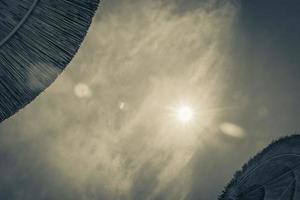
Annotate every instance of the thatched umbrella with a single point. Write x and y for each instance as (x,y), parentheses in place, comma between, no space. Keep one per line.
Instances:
(38,38)
(272,174)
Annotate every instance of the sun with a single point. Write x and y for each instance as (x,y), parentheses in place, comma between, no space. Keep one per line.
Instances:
(185,113)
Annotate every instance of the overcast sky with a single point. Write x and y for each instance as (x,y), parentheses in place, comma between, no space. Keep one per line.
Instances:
(108,127)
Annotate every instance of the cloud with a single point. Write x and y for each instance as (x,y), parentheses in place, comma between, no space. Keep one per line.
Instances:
(144,55)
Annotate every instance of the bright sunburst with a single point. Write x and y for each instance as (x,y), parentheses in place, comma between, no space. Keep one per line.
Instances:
(185,113)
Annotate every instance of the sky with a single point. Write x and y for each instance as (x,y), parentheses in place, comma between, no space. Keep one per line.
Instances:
(108,127)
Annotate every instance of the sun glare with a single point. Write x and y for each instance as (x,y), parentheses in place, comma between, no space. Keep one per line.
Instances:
(185,113)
